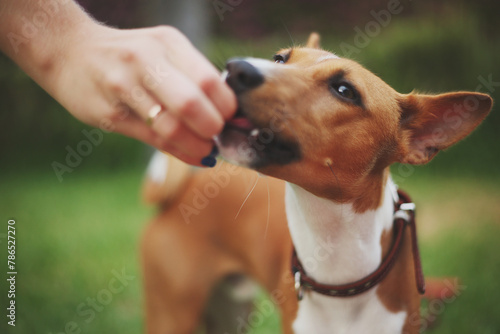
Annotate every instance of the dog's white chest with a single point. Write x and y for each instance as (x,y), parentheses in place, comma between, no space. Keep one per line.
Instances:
(338,246)
(362,314)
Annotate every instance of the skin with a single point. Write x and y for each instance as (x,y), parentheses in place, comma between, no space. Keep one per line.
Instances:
(116,76)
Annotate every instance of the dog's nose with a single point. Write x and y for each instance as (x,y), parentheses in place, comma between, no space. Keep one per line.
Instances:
(242,76)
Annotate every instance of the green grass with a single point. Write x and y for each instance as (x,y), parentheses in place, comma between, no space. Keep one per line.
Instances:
(473,256)
(72,235)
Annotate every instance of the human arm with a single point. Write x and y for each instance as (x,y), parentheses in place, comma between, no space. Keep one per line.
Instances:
(113,78)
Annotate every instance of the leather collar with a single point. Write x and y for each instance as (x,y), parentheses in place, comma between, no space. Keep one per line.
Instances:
(404,215)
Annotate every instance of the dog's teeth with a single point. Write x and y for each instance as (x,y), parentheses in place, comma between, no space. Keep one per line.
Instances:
(254,133)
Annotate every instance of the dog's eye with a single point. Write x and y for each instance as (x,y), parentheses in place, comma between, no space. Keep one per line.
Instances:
(278,59)
(345,90)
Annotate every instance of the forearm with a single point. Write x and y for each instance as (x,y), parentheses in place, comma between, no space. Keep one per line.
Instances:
(35,33)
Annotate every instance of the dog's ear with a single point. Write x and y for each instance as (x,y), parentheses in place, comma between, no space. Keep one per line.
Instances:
(431,123)
(313,41)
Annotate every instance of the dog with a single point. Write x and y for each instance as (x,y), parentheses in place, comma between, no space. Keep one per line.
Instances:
(329,129)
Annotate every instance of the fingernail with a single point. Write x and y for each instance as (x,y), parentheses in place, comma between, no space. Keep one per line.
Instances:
(209,161)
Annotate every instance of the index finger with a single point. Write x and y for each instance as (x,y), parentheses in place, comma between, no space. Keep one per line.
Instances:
(192,63)
(209,80)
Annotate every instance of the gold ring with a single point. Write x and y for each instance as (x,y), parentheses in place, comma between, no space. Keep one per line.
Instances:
(153,113)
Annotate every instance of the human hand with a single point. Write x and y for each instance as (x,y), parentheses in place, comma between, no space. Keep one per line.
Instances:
(117,79)
(120,80)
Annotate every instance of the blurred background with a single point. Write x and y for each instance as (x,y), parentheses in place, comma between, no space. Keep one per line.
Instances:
(75,234)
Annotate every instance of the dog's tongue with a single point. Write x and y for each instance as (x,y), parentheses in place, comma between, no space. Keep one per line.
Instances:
(241,122)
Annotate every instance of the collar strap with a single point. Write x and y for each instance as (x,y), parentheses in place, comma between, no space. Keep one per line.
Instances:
(404,215)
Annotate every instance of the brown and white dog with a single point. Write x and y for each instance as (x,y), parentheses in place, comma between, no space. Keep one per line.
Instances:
(330,129)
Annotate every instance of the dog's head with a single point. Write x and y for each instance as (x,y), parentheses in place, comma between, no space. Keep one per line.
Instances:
(332,127)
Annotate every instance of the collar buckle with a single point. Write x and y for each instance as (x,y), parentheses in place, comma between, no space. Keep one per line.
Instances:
(299,288)
(405,212)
